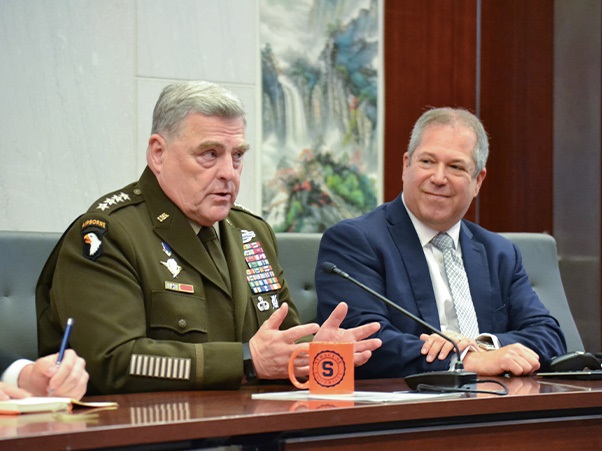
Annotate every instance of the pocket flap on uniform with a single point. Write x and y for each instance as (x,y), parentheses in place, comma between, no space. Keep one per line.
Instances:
(181,313)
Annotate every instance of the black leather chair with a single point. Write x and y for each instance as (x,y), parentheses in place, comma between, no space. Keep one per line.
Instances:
(22,256)
(540,259)
(298,255)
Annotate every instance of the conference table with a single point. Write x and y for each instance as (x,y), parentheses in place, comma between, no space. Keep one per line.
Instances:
(563,414)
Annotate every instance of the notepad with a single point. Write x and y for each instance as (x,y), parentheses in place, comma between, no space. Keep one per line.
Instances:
(36,404)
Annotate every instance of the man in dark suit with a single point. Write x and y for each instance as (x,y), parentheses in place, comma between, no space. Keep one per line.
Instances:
(20,378)
(390,250)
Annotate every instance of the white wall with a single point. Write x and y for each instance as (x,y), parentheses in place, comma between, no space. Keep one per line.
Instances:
(79,79)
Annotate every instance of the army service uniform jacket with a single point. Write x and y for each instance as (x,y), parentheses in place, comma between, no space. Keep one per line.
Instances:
(150,310)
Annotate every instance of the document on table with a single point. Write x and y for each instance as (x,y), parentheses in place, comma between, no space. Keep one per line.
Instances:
(357,396)
(36,404)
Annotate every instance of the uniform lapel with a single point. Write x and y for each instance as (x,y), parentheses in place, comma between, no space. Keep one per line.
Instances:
(172,226)
(233,249)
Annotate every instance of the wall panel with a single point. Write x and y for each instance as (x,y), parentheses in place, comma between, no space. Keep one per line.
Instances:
(516,102)
(430,60)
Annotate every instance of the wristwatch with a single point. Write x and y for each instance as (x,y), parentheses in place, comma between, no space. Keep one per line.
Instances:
(247,362)
(486,346)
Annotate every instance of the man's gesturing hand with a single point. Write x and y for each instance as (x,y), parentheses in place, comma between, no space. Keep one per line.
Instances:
(271,348)
(330,331)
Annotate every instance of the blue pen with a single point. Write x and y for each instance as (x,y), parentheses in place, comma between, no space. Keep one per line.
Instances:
(65,341)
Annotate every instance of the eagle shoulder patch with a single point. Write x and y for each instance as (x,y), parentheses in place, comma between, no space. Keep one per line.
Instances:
(92,231)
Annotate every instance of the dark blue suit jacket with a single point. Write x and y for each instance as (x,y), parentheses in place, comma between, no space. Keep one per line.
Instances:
(382,250)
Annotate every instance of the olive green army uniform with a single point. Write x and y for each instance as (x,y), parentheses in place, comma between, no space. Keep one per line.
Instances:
(150,310)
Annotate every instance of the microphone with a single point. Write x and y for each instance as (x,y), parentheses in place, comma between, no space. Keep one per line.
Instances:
(456,378)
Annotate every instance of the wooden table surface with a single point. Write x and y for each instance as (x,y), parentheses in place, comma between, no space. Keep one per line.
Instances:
(554,408)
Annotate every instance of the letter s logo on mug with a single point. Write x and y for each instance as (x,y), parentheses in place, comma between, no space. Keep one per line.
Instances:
(331,368)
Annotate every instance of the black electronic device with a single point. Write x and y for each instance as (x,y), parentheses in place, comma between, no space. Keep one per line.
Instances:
(456,378)
(573,361)
(583,375)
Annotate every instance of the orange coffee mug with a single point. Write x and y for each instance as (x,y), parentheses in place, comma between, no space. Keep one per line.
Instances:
(331,368)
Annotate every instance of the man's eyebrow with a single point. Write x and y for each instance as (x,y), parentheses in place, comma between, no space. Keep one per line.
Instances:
(210,144)
(245,147)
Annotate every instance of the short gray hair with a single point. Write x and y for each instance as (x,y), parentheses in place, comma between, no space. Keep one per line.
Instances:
(178,100)
(453,117)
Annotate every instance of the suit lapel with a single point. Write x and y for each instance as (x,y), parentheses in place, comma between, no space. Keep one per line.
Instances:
(406,240)
(476,265)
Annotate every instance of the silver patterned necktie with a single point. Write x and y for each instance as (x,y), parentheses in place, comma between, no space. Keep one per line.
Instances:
(458,285)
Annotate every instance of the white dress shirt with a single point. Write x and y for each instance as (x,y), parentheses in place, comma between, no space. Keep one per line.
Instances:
(11,374)
(434,258)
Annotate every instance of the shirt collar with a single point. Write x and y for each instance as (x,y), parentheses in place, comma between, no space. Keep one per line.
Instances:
(197,228)
(426,234)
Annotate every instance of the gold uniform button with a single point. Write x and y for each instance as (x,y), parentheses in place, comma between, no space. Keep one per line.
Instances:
(182,323)
(137,191)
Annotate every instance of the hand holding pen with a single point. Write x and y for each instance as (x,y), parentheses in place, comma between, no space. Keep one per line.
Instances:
(59,375)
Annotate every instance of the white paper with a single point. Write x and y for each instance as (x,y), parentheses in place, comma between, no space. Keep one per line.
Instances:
(357,396)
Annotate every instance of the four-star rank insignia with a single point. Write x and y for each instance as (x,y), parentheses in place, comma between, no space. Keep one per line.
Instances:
(112,200)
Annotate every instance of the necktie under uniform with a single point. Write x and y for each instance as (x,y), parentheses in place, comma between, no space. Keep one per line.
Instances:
(211,242)
(458,285)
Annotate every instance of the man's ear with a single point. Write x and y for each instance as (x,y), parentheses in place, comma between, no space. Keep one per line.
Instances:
(480,177)
(406,163)
(155,152)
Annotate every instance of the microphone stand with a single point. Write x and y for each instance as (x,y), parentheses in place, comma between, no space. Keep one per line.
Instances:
(455,378)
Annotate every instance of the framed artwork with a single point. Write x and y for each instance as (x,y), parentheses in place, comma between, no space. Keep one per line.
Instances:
(321,139)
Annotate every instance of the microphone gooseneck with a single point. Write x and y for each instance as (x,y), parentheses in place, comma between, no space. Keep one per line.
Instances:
(456,378)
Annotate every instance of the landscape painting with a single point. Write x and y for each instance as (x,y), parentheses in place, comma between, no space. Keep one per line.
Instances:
(320,146)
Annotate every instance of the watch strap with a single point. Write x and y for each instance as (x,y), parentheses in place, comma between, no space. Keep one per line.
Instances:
(247,361)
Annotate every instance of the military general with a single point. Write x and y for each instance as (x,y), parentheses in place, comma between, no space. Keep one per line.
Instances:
(171,284)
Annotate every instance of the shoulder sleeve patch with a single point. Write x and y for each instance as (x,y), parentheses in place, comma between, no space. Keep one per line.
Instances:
(92,231)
